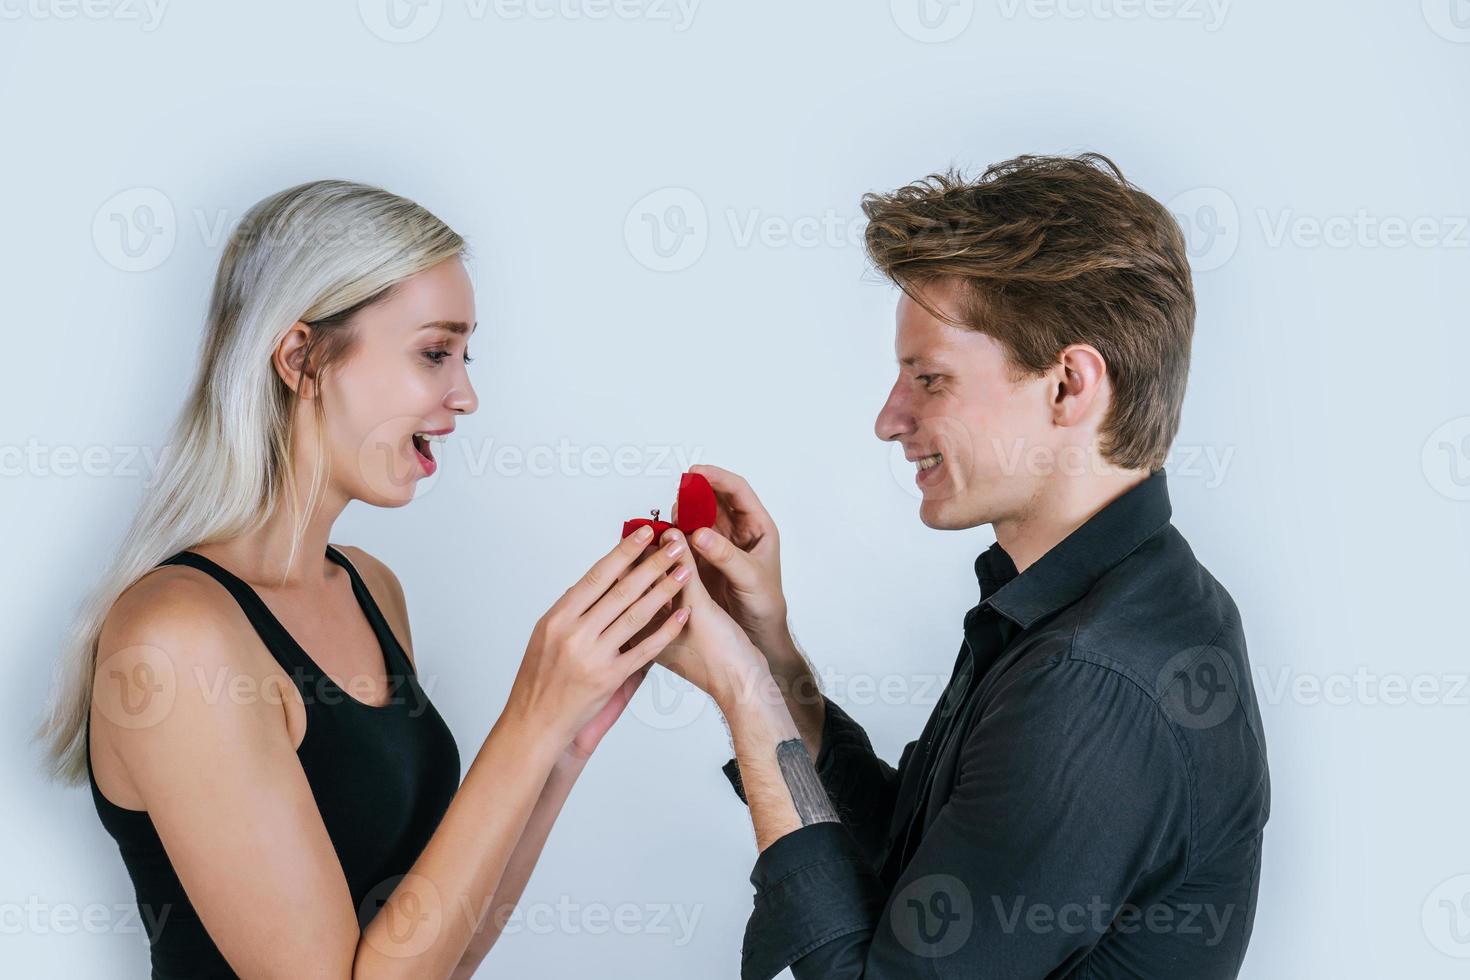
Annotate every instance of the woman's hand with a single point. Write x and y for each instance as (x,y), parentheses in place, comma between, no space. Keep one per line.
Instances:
(575,678)
(712,652)
(740,561)
(586,741)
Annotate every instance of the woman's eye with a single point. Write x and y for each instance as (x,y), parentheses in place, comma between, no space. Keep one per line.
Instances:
(436,355)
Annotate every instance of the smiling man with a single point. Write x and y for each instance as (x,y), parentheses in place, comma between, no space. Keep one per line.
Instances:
(1088,797)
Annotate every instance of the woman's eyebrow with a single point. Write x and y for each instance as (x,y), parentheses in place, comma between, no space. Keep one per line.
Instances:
(453,326)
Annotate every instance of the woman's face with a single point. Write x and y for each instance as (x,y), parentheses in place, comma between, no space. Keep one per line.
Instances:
(405,375)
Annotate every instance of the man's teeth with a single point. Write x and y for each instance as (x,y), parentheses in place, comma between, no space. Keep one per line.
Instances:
(929,462)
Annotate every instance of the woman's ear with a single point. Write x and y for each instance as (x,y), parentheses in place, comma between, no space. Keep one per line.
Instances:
(290,359)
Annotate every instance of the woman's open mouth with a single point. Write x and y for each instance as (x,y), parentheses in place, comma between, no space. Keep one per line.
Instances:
(423,447)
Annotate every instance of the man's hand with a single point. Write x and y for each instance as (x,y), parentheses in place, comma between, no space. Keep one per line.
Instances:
(740,561)
(712,652)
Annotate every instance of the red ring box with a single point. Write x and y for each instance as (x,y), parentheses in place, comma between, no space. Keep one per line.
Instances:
(694,508)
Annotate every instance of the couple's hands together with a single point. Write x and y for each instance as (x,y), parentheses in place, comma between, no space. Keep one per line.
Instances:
(717,627)
(589,651)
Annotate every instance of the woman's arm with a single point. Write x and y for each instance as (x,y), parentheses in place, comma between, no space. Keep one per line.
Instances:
(518,869)
(223,785)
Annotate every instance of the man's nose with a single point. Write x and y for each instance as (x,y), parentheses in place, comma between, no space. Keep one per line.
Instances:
(894,419)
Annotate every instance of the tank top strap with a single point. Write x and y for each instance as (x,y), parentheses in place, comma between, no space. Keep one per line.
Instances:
(277,640)
(386,638)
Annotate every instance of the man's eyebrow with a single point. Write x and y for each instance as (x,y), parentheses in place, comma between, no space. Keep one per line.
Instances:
(453,326)
(916,360)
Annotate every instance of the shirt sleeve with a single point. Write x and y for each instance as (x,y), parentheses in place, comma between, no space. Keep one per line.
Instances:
(862,786)
(1070,791)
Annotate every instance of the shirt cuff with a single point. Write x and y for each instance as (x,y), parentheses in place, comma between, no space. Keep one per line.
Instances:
(812,886)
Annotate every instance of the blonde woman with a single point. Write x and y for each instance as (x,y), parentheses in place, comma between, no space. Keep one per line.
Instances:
(243,696)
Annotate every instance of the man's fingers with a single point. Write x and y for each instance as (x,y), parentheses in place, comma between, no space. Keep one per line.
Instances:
(735,495)
(719,551)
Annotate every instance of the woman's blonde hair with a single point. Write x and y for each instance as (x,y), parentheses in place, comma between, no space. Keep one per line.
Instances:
(318,252)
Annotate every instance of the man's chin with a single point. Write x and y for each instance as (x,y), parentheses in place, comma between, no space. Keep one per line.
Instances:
(949,514)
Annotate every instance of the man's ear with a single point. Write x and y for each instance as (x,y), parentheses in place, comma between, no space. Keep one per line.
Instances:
(1081,382)
(290,357)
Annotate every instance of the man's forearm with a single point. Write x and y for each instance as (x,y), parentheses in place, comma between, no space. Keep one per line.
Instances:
(781,784)
(797,681)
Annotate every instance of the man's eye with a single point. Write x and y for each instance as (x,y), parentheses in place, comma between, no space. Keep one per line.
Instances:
(927,380)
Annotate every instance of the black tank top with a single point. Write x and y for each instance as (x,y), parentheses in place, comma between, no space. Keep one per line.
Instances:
(382,778)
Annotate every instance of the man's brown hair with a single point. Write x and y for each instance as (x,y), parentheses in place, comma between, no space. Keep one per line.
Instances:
(1050,251)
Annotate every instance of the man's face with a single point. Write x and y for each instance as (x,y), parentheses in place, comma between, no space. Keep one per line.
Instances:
(969,429)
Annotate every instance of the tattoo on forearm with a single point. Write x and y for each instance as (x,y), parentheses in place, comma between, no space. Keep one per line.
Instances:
(812,804)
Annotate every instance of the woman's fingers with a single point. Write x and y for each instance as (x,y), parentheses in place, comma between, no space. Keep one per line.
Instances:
(605,573)
(644,653)
(629,588)
(637,616)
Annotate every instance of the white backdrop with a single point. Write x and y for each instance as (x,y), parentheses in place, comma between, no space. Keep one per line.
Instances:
(663,203)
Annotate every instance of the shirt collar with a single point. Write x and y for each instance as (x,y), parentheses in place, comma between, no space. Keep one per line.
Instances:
(1065,573)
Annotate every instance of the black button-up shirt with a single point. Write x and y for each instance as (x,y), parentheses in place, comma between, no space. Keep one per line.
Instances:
(1086,801)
